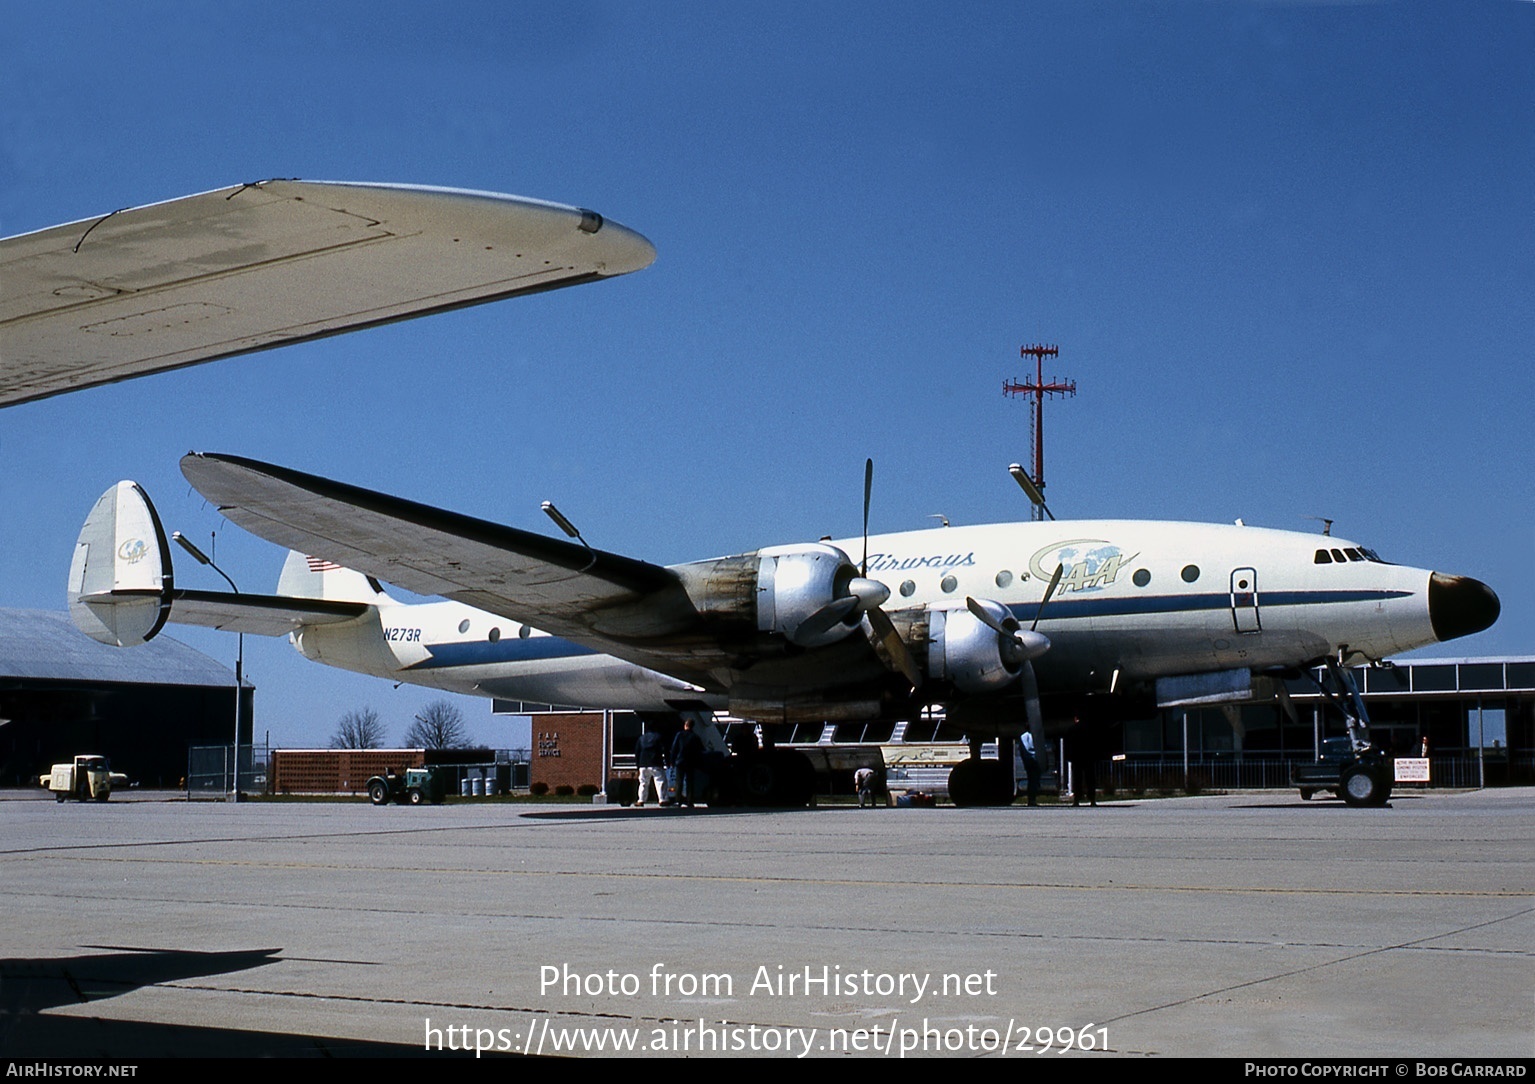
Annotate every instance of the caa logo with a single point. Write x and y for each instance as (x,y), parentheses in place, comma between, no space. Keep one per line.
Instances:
(133,551)
(1090,564)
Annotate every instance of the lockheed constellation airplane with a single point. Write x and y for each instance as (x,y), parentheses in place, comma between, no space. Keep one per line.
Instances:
(1008,626)
(1120,614)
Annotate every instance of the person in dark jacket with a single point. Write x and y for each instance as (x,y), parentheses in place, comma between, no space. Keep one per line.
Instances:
(1082,750)
(687,758)
(650,759)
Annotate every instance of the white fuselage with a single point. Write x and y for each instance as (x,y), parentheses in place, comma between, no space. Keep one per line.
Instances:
(1137,600)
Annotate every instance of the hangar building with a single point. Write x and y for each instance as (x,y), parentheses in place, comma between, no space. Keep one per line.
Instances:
(62,693)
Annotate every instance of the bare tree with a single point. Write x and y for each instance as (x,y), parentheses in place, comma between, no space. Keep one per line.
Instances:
(361,729)
(439,725)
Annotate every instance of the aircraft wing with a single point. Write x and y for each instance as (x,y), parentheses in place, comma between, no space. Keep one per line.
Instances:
(629,608)
(260,265)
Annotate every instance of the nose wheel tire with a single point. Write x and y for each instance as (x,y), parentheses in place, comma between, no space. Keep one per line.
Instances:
(1365,785)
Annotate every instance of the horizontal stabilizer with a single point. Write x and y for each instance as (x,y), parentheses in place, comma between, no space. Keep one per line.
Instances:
(259,615)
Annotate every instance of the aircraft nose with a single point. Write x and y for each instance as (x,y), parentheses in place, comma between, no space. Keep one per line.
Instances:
(1459,605)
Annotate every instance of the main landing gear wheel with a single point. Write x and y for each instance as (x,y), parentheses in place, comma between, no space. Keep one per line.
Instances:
(976,782)
(776,777)
(1365,784)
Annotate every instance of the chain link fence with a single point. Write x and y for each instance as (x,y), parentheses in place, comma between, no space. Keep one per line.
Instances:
(210,772)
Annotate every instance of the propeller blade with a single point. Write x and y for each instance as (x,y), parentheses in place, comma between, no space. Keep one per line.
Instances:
(986,617)
(895,647)
(824,619)
(1025,644)
(1031,705)
(868,489)
(1055,581)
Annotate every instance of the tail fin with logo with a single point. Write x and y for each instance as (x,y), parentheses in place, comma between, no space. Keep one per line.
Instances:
(122,589)
(120,580)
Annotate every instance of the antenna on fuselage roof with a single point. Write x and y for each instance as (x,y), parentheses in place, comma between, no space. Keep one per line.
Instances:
(1325,522)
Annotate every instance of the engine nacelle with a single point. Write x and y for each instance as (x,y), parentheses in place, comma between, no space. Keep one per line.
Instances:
(797,583)
(809,594)
(976,658)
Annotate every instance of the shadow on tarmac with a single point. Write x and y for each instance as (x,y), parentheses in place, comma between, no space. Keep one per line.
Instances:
(30,987)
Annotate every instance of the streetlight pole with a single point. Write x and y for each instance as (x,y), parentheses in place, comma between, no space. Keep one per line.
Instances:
(203,559)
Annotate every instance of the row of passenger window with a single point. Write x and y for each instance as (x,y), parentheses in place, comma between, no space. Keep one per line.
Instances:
(1004,579)
(523,632)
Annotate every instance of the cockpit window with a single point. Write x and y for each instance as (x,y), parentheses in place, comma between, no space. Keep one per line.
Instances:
(1352,553)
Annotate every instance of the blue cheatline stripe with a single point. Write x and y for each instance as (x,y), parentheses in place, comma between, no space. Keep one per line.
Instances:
(1116,606)
(537,648)
(507,649)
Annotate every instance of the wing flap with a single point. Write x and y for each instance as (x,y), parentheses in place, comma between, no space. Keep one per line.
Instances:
(261,265)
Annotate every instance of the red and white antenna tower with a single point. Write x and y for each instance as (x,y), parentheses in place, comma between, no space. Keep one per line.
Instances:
(1038,390)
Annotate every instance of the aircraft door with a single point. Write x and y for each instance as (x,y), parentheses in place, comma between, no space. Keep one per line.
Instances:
(1244,600)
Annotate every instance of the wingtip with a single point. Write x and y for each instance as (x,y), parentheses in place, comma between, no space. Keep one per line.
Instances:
(628,250)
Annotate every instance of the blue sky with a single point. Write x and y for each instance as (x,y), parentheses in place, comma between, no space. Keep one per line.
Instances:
(1288,251)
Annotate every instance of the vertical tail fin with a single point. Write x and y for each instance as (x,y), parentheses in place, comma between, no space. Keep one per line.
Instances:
(120,579)
(313,577)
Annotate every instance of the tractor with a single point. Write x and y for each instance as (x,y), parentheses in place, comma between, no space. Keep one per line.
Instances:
(415,787)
